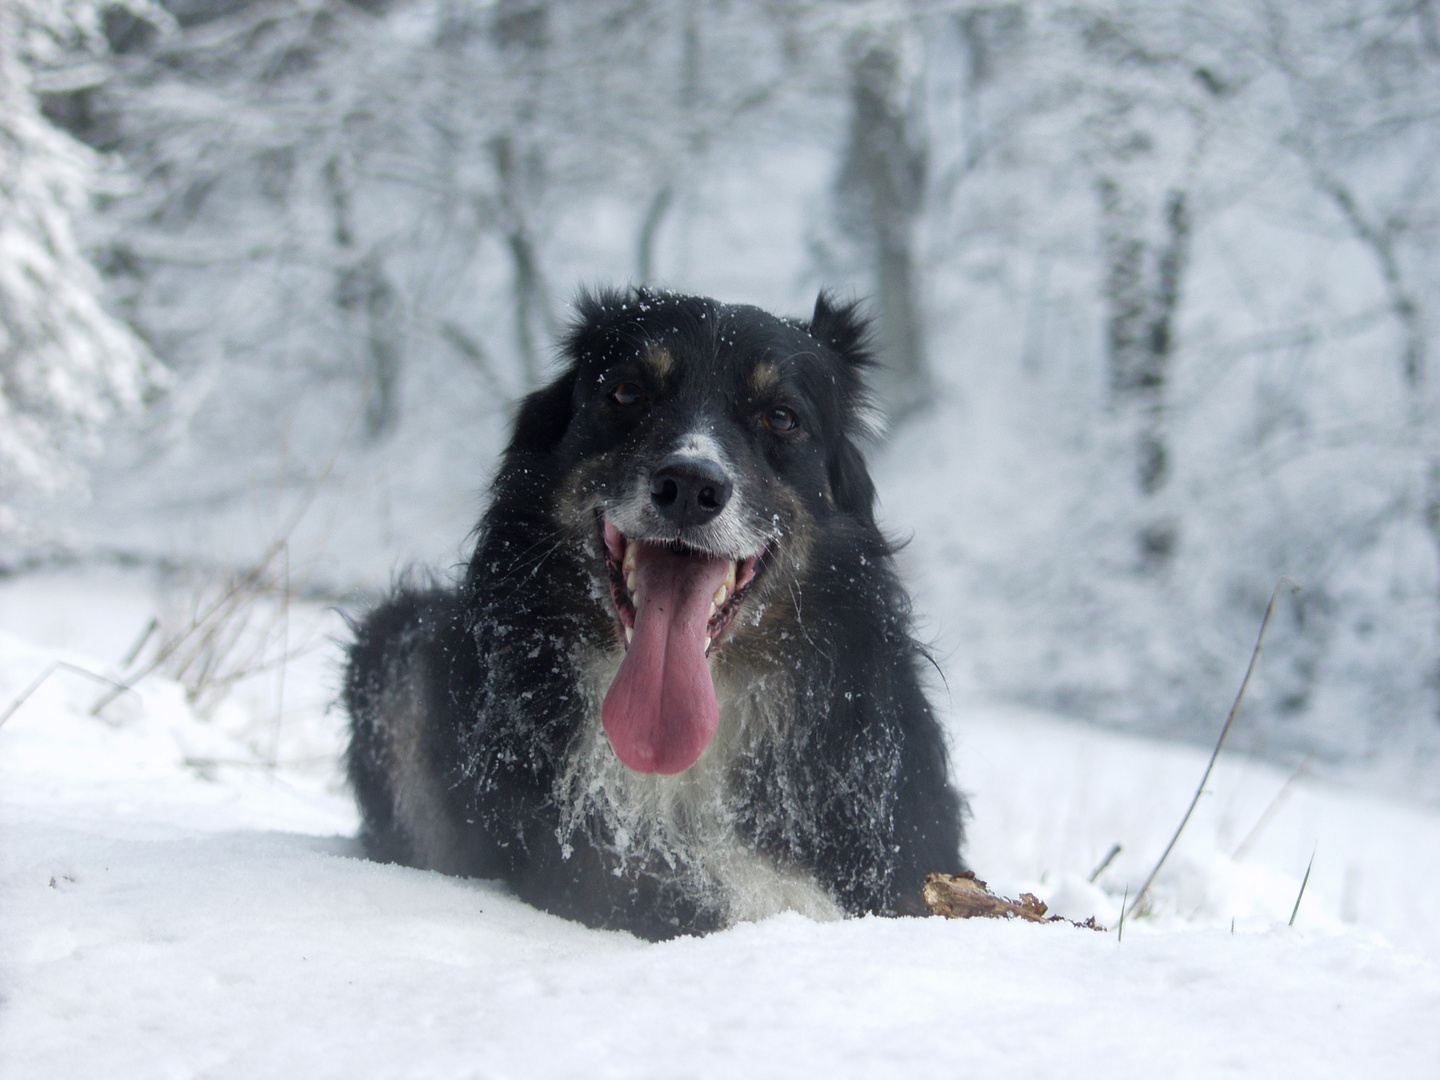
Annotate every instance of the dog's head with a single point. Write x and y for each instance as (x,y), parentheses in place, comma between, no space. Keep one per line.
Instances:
(700,446)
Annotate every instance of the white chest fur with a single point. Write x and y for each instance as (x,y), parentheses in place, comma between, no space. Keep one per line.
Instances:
(687,822)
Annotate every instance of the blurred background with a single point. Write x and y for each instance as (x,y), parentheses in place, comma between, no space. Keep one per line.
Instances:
(1155,284)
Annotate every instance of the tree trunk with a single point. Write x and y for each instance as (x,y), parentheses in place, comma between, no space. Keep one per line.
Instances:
(649,229)
(533,319)
(881,193)
(1142,294)
(1403,305)
(365,289)
(362,288)
(522,27)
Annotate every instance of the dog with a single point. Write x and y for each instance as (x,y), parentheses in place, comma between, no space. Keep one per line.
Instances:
(677,687)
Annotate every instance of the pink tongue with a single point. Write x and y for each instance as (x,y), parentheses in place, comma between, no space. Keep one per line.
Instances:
(661,712)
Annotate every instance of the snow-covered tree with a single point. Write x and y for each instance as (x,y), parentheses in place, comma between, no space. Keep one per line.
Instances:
(329,194)
(66,363)
(1356,93)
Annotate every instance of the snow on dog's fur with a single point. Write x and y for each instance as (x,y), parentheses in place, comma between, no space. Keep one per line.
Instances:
(584,719)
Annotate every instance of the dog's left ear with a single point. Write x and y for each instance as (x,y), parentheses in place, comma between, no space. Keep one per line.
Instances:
(844,328)
(847,331)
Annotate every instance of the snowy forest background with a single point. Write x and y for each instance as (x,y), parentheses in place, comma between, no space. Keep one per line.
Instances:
(1156,284)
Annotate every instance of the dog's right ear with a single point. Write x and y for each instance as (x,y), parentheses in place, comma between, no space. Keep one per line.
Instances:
(544,416)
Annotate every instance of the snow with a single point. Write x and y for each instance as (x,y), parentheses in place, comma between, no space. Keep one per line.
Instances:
(180,893)
(216,918)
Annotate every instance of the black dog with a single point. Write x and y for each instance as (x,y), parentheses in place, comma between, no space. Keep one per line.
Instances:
(677,687)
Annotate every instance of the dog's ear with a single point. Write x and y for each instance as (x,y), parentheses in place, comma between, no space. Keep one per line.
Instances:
(544,416)
(595,309)
(847,331)
(844,328)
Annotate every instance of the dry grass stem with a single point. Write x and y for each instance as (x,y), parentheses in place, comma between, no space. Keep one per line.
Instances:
(1301,895)
(284,661)
(205,654)
(1229,723)
(1275,804)
(1105,863)
(59,665)
(134,654)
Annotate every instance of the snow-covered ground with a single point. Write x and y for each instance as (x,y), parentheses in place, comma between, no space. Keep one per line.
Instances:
(180,896)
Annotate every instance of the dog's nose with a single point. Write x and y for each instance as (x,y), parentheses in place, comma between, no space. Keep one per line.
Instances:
(688,490)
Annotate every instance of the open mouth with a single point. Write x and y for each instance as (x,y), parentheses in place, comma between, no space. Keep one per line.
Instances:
(672,603)
(624,559)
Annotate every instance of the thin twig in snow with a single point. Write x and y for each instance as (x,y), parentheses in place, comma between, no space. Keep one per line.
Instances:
(1105,862)
(145,635)
(1245,845)
(284,660)
(54,667)
(1301,895)
(220,614)
(1229,722)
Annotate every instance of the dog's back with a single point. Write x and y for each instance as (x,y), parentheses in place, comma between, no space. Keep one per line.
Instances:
(511,728)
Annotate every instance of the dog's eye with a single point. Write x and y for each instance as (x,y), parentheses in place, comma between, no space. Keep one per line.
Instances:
(781,419)
(627,393)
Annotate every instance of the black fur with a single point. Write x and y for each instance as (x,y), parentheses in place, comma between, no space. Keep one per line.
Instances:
(470,706)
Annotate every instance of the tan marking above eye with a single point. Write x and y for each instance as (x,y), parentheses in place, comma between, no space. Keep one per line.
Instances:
(660,360)
(764,376)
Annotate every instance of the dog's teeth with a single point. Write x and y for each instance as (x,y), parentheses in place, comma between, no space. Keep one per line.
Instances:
(629,633)
(713,609)
(730,577)
(721,595)
(627,563)
(708,643)
(632,580)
